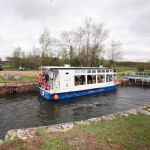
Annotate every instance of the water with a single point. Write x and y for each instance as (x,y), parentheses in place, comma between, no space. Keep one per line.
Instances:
(29,110)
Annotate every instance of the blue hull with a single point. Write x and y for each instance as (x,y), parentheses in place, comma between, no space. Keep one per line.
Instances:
(62,96)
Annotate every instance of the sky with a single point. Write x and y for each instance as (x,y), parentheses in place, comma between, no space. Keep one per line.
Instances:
(23,21)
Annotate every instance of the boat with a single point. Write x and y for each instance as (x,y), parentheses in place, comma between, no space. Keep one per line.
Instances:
(66,82)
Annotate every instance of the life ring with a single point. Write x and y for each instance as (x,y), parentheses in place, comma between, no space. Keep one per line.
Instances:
(56,97)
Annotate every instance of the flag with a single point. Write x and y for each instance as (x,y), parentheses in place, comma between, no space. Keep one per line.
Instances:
(41,76)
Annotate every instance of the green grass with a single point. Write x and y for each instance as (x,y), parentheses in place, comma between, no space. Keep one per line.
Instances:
(11,141)
(54,144)
(8,68)
(40,132)
(33,78)
(127,68)
(22,147)
(124,68)
(24,79)
(130,133)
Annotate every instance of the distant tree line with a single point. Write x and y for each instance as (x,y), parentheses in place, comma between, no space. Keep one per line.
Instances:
(85,46)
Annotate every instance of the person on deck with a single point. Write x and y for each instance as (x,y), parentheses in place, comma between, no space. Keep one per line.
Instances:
(46,81)
(46,77)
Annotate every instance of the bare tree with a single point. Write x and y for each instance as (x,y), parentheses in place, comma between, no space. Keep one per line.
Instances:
(79,38)
(45,41)
(115,52)
(68,42)
(95,34)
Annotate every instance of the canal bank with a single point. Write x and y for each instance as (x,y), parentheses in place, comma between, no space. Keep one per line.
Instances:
(25,110)
(11,88)
(30,132)
(121,130)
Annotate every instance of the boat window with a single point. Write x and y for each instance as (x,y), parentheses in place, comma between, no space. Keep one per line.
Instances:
(100,78)
(93,71)
(99,71)
(79,80)
(88,71)
(107,70)
(67,72)
(103,71)
(91,79)
(108,78)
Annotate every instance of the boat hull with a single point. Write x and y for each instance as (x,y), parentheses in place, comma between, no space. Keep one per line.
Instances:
(68,95)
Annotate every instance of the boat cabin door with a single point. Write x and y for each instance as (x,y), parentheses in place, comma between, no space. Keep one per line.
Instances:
(53,74)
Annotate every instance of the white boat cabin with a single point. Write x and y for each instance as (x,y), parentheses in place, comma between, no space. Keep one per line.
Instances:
(66,79)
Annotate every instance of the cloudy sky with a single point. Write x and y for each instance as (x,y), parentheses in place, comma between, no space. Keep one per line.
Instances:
(23,21)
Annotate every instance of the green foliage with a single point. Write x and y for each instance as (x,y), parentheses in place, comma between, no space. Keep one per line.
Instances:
(40,131)
(54,144)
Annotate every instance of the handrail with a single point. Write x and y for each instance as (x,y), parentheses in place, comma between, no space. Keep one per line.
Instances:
(138,74)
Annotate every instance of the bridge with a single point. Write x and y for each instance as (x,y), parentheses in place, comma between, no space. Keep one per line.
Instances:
(140,78)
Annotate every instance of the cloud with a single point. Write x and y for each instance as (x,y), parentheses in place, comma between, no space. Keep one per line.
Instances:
(22,22)
(32,10)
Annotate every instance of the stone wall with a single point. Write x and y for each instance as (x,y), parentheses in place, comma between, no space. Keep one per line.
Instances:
(17,88)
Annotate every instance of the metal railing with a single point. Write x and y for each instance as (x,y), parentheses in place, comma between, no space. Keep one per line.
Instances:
(138,76)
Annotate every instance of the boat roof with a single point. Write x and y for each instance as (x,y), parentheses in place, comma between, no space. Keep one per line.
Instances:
(67,67)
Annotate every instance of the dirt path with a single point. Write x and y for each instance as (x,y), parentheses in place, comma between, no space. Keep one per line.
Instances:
(30,73)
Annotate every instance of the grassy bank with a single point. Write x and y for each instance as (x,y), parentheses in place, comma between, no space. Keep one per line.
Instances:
(23,79)
(131,133)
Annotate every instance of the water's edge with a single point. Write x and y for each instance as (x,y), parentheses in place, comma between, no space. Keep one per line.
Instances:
(27,110)
(17,88)
(30,132)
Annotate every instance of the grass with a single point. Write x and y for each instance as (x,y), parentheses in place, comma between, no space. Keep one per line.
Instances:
(40,132)
(11,141)
(130,133)
(8,67)
(54,144)
(124,69)
(24,79)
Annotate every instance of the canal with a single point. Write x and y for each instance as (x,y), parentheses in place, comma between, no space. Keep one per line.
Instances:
(29,109)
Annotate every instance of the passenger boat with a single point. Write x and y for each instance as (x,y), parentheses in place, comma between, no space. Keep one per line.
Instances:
(68,82)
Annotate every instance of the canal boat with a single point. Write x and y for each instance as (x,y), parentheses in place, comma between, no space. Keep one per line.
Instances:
(61,83)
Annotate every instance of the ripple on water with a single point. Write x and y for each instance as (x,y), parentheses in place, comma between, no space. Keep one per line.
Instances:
(28,109)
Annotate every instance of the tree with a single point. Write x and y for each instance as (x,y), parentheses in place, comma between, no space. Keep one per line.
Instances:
(17,57)
(94,35)
(115,52)
(68,42)
(79,37)
(45,41)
